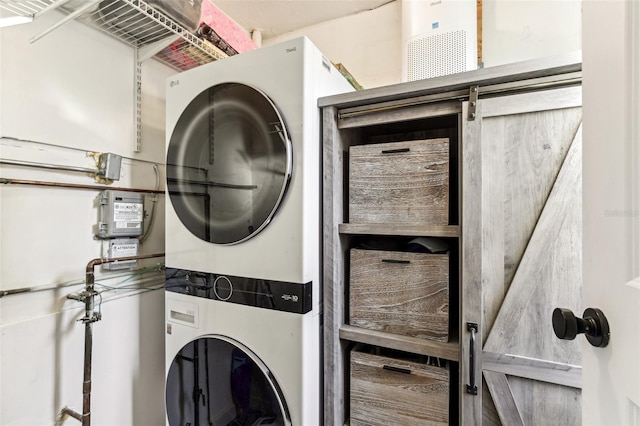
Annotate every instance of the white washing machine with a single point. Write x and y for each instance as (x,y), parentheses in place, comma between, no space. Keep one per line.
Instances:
(241,359)
(243,228)
(244,163)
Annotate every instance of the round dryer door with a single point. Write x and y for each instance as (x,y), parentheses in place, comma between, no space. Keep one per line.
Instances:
(215,380)
(228,163)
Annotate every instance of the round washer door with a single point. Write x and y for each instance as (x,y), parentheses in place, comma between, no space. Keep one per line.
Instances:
(229,163)
(216,380)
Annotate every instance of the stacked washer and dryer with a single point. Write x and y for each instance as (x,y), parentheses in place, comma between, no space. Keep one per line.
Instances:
(243,238)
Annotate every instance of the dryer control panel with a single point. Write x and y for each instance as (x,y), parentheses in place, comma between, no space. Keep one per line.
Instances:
(268,294)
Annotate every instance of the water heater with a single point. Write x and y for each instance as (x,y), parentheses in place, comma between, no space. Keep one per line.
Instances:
(439,37)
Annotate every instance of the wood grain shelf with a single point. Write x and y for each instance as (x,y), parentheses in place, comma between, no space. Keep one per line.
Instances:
(452,231)
(449,350)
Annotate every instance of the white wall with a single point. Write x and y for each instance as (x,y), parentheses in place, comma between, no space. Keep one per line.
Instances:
(514,31)
(73,91)
(369,43)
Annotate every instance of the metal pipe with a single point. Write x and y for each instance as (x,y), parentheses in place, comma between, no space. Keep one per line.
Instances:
(89,318)
(98,261)
(68,411)
(68,148)
(49,166)
(75,186)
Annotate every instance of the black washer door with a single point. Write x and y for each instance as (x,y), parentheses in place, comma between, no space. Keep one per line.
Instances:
(228,163)
(214,380)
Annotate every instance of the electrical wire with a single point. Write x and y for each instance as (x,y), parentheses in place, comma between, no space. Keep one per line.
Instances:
(137,286)
(138,273)
(126,287)
(157,268)
(77,282)
(135,291)
(100,306)
(154,200)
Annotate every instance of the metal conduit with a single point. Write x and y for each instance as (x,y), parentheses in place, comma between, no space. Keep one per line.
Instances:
(90,316)
(68,148)
(49,166)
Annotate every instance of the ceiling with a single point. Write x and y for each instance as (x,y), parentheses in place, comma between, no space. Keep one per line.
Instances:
(277,17)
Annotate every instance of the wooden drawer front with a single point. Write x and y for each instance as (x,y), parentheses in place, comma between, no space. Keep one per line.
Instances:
(400,182)
(400,293)
(386,391)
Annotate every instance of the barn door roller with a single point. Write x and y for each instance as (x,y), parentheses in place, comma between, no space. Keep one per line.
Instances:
(473,102)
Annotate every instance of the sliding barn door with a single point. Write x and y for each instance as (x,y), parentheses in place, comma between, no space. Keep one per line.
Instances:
(524,257)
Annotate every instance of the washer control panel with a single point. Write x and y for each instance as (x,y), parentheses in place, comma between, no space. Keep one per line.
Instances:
(268,294)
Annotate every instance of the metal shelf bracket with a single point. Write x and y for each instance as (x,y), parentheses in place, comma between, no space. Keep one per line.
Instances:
(70,17)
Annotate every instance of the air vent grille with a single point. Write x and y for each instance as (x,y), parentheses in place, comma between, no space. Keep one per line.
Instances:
(437,55)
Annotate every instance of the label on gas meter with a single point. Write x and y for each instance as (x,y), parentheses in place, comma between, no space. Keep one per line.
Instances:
(128,215)
(124,249)
(118,248)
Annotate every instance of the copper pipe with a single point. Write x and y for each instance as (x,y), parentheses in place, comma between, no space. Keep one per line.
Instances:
(89,277)
(87,296)
(75,186)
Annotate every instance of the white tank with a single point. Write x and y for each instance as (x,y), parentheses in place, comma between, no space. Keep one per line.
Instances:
(439,37)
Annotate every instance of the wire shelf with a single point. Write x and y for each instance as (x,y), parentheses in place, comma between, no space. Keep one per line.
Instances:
(24,8)
(137,24)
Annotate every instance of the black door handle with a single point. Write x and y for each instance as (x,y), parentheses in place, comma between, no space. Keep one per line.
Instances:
(594,325)
(472,388)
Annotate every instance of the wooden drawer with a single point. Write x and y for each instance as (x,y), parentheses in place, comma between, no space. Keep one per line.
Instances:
(400,293)
(386,391)
(400,182)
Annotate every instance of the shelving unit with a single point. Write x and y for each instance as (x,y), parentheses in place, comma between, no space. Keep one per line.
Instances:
(426,230)
(374,125)
(133,22)
(449,350)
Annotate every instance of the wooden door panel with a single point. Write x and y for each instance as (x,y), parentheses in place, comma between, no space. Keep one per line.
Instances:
(504,399)
(535,147)
(489,413)
(531,256)
(541,403)
(523,158)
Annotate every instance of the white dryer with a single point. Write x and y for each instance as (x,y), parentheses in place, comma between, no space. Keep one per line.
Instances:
(244,163)
(237,354)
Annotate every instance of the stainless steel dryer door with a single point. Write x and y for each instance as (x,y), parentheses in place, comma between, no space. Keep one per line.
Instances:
(215,380)
(229,163)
